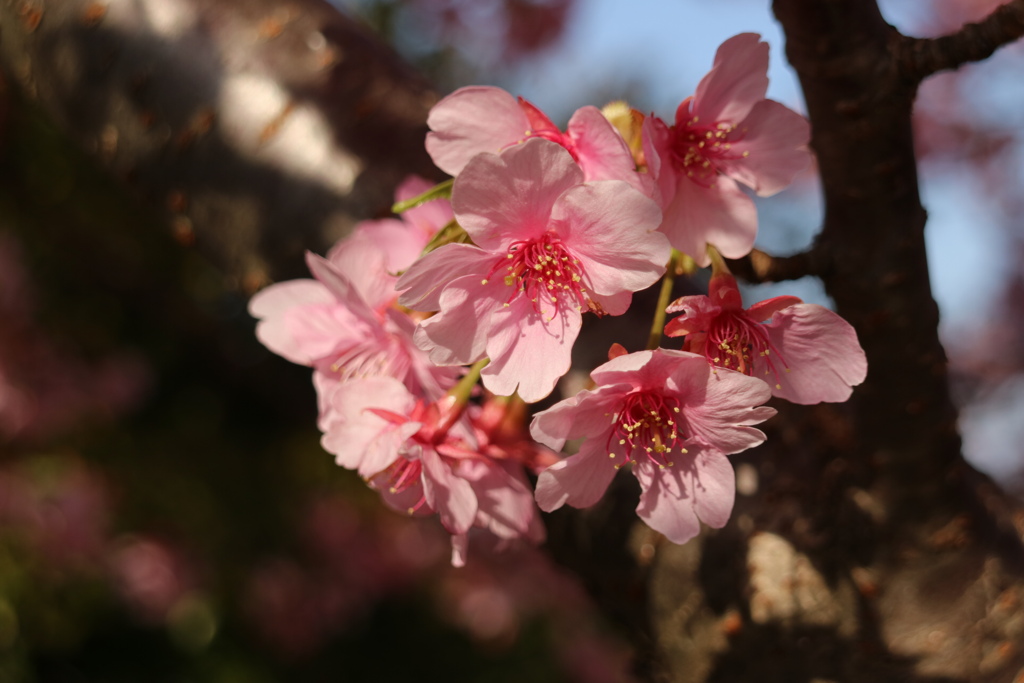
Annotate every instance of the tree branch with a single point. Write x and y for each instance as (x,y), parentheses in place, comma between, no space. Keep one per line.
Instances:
(759,266)
(918,58)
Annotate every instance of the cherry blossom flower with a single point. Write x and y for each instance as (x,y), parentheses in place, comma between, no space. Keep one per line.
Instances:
(479,119)
(671,416)
(807,353)
(344,323)
(327,324)
(727,133)
(423,457)
(546,248)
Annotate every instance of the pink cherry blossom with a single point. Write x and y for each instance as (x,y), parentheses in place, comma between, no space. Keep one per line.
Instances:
(546,248)
(327,324)
(423,457)
(670,415)
(807,353)
(725,134)
(479,119)
(344,323)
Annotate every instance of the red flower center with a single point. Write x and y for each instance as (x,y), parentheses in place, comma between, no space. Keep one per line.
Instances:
(734,341)
(648,425)
(544,269)
(697,149)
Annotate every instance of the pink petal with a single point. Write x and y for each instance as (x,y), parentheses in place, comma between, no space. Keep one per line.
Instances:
(450,496)
(278,298)
(319,332)
(666,502)
(459,333)
(529,350)
(359,438)
(697,313)
(429,217)
(372,254)
(460,549)
(504,499)
(713,483)
(580,480)
(719,404)
(422,284)
(622,369)
(342,288)
(763,310)
(424,378)
(657,144)
(720,215)
(609,227)
(776,139)
(602,152)
(736,82)
(825,359)
(274,306)
(471,121)
(324,385)
(584,415)
(501,199)
(614,304)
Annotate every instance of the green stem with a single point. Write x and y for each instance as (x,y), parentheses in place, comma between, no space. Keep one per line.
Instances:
(439,191)
(654,340)
(464,388)
(460,394)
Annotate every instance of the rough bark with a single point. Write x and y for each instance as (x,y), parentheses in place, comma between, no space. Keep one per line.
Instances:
(870,551)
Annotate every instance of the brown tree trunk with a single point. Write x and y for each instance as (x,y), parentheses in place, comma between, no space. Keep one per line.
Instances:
(867,550)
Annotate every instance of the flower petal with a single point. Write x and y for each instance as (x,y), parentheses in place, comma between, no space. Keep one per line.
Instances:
(774,139)
(763,310)
(341,286)
(471,121)
(373,253)
(721,215)
(501,199)
(528,349)
(281,305)
(587,414)
(602,152)
(450,496)
(719,404)
(580,480)
(657,145)
(421,285)
(504,499)
(609,227)
(666,502)
(428,217)
(459,333)
(359,438)
(736,82)
(713,483)
(824,358)
(697,313)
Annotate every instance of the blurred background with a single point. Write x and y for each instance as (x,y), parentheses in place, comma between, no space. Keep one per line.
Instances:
(166,512)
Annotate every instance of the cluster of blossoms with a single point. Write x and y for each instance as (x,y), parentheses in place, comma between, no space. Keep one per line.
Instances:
(406,316)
